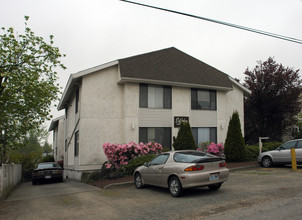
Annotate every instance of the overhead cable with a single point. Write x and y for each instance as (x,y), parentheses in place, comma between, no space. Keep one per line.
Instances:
(282,37)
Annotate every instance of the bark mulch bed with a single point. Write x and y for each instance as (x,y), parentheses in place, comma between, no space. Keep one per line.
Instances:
(104,183)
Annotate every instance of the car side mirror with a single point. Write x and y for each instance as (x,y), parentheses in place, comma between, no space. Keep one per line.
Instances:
(147,164)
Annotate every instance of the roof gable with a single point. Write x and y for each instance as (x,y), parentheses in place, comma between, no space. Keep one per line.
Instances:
(175,66)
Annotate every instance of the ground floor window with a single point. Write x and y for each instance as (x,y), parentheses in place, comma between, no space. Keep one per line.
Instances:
(76,143)
(160,135)
(202,135)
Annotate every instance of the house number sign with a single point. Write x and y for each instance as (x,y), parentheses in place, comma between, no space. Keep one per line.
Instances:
(179,119)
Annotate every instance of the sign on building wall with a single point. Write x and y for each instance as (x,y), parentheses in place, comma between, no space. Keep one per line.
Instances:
(179,119)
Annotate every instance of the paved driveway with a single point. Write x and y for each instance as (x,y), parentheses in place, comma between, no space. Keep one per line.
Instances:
(27,191)
(254,190)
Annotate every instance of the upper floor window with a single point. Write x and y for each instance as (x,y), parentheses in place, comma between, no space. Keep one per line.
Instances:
(77,101)
(203,99)
(152,96)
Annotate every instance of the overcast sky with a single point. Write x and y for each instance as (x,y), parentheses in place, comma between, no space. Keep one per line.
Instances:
(93,32)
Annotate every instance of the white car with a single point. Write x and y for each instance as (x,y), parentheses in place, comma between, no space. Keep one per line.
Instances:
(282,155)
(178,170)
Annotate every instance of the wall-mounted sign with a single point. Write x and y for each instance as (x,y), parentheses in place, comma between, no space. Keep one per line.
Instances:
(179,119)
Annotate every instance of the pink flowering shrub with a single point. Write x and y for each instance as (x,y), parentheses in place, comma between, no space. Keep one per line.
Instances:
(215,149)
(119,155)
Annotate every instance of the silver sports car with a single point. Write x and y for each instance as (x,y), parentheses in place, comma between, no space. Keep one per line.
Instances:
(178,170)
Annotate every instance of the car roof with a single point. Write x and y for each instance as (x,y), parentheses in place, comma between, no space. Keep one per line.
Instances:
(182,151)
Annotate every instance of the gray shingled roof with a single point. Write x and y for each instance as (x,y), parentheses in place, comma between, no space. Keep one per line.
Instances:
(172,65)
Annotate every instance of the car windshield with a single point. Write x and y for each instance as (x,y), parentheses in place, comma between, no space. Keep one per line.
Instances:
(193,157)
(47,165)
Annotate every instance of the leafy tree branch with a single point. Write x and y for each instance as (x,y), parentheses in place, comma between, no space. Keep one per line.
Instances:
(28,83)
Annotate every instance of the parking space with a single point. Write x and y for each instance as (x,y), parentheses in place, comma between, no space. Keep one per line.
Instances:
(248,188)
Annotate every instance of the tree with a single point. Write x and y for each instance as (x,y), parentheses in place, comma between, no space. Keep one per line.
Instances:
(234,147)
(29,154)
(27,83)
(47,148)
(273,104)
(297,133)
(184,139)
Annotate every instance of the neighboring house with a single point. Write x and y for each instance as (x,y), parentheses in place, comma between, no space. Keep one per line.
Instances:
(289,134)
(141,99)
(58,127)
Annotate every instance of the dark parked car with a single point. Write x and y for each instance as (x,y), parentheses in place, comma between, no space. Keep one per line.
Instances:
(179,170)
(282,155)
(49,171)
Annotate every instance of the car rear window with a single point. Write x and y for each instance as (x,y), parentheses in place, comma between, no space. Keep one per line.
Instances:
(47,165)
(193,157)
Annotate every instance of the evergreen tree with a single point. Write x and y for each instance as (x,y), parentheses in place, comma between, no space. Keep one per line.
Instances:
(234,148)
(184,140)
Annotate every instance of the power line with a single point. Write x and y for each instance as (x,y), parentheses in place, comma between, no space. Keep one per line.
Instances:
(282,37)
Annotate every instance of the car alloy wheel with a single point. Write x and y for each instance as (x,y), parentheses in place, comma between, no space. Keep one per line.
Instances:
(138,181)
(267,162)
(175,187)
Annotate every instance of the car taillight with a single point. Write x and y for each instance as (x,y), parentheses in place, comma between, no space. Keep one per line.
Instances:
(222,164)
(194,168)
(57,171)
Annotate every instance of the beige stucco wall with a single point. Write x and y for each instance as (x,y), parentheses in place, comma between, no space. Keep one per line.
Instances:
(101,116)
(227,103)
(71,126)
(58,142)
(130,112)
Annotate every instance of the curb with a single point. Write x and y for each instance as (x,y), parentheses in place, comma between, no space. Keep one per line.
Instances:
(119,184)
(240,168)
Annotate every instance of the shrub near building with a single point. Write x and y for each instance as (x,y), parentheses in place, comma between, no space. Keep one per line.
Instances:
(184,139)
(234,148)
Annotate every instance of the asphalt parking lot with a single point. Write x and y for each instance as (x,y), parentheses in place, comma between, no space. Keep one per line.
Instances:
(256,193)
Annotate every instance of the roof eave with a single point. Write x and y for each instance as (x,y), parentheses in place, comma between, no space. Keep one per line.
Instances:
(54,123)
(123,80)
(245,90)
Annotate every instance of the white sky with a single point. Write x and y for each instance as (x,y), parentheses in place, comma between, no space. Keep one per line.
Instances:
(93,32)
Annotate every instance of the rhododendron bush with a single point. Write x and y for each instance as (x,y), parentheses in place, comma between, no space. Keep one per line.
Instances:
(119,155)
(215,149)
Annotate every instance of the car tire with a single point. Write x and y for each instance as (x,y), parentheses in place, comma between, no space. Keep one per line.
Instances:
(175,187)
(138,181)
(214,187)
(266,162)
(34,182)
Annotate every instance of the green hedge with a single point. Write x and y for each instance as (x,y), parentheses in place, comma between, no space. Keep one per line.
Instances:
(270,146)
(252,151)
(136,162)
